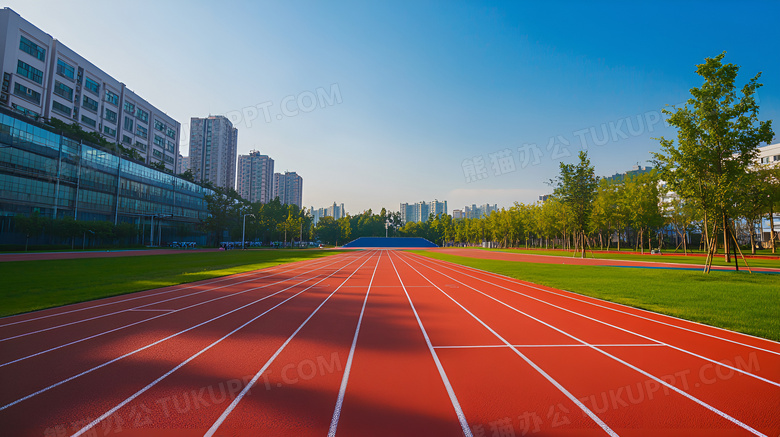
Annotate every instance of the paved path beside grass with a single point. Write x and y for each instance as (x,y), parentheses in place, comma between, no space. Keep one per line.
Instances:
(551,259)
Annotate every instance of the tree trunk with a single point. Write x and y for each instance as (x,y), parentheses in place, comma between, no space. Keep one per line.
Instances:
(771,228)
(706,232)
(726,241)
(752,238)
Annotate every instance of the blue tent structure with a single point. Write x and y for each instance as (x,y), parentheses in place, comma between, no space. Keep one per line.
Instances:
(389,243)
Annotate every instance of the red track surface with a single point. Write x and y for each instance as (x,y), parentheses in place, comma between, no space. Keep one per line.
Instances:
(378,343)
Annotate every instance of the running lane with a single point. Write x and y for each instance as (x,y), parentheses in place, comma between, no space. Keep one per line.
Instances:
(632,372)
(394,387)
(107,378)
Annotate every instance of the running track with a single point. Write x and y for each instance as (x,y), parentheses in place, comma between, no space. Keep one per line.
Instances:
(379,343)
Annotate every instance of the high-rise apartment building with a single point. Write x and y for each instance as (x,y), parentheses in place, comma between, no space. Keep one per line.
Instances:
(255,177)
(288,187)
(335,211)
(475,211)
(420,211)
(213,150)
(182,164)
(44,79)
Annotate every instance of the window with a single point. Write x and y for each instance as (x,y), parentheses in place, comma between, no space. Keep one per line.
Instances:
(126,139)
(62,109)
(159,141)
(157,153)
(26,93)
(110,115)
(128,124)
(139,145)
(25,111)
(90,104)
(129,107)
(88,121)
(65,70)
(171,133)
(109,131)
(63,90)
(32,49)
(112,98)
(170,146)
(29,72)
(92,86)
(160,126)
(168,159)
(142,115)
(776,158)
(141,131)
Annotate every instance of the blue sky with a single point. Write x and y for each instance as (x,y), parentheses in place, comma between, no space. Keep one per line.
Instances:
(414,95)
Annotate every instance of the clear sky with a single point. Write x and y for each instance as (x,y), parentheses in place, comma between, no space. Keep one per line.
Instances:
(375,103)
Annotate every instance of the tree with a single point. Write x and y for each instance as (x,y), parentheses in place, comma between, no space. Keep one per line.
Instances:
(328,230)
(345,227)
(576,187)
(604,210)
(641,199)
(159,166)
(681,215)
(717,136)
(188,175)
(31,226)
(768,178)
(224,208)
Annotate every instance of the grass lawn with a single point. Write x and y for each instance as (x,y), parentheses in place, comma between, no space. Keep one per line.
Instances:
(737,301)
(669,257)
(34,285)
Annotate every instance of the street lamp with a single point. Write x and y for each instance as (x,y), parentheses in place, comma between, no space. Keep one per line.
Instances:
(159,223)
(84,239)
(243,232)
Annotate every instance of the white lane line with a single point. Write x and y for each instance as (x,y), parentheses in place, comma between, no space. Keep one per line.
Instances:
(549,378)
(100,366)
(138,309)
(526,284)
(166,314)
(736,369)
(334,421)
(268,363)
(464,425)
(479,346)
(135,308)
(176,288)
(629,365)
(387,286)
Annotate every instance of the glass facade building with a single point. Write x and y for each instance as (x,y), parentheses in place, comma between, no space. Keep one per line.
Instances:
(48,173)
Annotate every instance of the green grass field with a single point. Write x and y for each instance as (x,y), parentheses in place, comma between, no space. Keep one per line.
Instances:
(737,301)
(34,285)
(669,257)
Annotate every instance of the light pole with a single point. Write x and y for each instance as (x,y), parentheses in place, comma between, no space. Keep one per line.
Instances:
(84,239)
(243,232)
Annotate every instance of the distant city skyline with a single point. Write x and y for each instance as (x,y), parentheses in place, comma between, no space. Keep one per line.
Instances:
(381,103)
